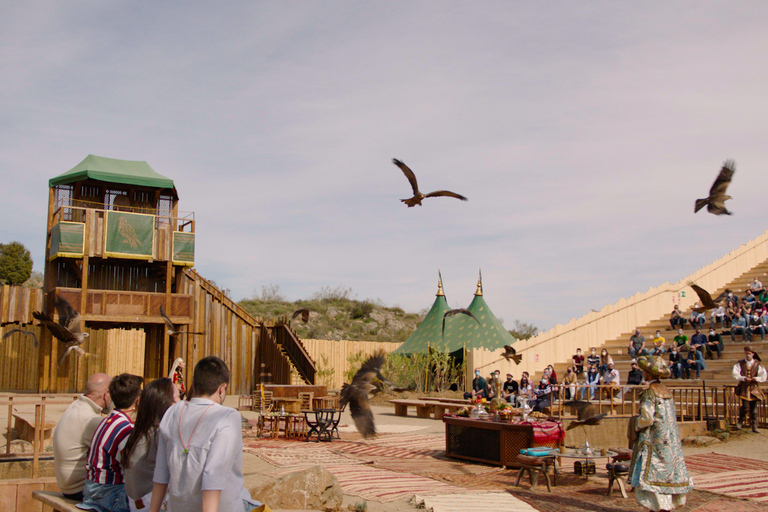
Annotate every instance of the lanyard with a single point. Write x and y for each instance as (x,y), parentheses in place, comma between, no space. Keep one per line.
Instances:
(181,414)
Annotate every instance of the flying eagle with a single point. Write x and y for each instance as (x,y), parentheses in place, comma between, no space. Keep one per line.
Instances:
(356,393)
(418,196)
(459,311)
(715,203)
(586,412)
(171,330)
(510,353)
(303,313)
(706,299)
(67,330)
(26,333)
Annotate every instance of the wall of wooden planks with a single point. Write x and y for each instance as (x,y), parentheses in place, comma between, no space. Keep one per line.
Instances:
(16,495)
(336,354)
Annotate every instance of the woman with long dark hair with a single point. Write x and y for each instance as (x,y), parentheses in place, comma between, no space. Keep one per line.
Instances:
(141,448)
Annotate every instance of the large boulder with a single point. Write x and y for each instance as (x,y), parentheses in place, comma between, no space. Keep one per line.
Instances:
(314,488)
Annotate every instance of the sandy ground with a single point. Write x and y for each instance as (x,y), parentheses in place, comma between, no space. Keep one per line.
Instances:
(256,471)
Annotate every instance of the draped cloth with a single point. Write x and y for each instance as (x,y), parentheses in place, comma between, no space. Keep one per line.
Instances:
(657,471)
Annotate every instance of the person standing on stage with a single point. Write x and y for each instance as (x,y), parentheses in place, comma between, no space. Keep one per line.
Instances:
(750,373)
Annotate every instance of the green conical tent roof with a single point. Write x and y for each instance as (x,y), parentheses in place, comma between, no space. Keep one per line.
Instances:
(490,334)
(128,172)
(429,331)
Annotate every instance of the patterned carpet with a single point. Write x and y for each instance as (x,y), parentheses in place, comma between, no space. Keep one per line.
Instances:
(737,477)
(719,463)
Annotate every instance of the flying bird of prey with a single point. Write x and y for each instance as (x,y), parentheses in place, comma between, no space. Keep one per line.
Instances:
(171,330)
(586,412)
(26,333)
(459,311)
(67,330)
(715,203)
(304,313)
(511,353)
(418,196)
(356,393)
(704,297)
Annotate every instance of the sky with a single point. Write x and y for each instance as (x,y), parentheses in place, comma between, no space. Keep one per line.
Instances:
(581,132)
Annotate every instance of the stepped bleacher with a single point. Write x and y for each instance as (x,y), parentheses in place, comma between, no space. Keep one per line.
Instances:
(718,371)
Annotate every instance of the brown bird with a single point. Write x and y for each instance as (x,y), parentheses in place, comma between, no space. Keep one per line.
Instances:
(171,330)
(418,196)
(459,311)
(67,330)
(510,353)
(26,333)
(704,297)
(304,313)
(356,393)
(715,203)
(586,412)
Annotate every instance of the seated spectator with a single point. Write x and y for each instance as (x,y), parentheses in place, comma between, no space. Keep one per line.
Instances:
(569,381)
(612,379)
(749,297)
(681,340)
(139,454)
(510,389)
(552,375)
(72,436)
(718,315)
(479,387)
(763,296)
(104,486)
(675,363)
(659,344)
(543,395)
(695,360)
(593,380)
(756,326)
(593,358)
(605,361)
(756,287)
(714,344)
(739,326)
(731,300)
(697,319)
(637,345)
(578,362)
(634,377)
(698,340)
(494,382)
(676,319)
(525,391)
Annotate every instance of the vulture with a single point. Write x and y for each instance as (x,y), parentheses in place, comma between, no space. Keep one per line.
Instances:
(510,353)
(459,311)
(26,333)
(67,330)
(586,412)
(356,393)
(418,196)
(715,203)
(171,330)
(303,313)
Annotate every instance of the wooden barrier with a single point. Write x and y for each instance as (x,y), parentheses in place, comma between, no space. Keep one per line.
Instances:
(18,495)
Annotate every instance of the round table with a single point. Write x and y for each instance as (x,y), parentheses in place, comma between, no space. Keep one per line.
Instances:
(576,454)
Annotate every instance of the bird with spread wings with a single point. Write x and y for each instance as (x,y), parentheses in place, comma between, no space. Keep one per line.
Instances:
(715,203)
(172,329)
(67,330)
(587,413)
(418,196)
(459,311)
(367,379)
(26,333)
(511,353)
(303,313)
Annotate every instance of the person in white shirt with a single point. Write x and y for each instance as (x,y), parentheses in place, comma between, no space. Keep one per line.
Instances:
(200,449)
(72,435)
(750,373)
(613,379)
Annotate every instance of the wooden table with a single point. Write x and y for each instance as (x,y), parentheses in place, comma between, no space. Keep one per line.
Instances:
(494,442)
(576,454)
(290,405)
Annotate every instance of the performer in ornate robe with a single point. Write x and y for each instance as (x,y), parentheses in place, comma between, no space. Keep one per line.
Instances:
(657,471)
(177,377)
(749,372)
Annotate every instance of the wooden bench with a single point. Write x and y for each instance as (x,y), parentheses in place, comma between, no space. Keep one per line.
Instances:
(440,408)
(423,408)
(56,501)
(25,427)
(459,401)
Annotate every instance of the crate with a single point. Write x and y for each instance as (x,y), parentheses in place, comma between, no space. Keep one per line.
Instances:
(584,467)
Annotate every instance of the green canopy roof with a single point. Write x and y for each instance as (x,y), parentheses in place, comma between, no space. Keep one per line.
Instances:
(128,172)
(490,334)
(428,333)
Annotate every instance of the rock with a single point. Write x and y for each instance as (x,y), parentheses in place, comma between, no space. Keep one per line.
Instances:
(314,488)
(701,440)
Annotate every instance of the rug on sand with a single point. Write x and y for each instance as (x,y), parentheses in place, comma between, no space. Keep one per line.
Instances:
(738,477)
(720,463)
(303,456)
(501,501)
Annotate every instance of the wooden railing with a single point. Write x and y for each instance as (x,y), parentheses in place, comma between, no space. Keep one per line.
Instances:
(295,350)
(185,222)
(272,366)
(114,305)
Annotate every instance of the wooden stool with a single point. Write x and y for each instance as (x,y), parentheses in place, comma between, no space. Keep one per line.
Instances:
(535,466)
(618,469)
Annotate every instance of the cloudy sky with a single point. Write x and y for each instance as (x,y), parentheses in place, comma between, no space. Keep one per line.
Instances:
(581,132)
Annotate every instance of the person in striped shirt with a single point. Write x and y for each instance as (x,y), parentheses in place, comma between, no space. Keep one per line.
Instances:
(104,487)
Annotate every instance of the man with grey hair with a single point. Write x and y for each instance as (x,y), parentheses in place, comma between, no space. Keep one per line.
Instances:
(73,433)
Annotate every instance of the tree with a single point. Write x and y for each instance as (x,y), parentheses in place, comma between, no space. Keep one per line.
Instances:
(523,330)
(15,263)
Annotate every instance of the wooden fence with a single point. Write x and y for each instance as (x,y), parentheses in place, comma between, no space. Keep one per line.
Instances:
(331,357)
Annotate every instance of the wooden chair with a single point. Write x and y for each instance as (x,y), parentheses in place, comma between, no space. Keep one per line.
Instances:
(306,400)
(618,469)
(535,467)
(262,407)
